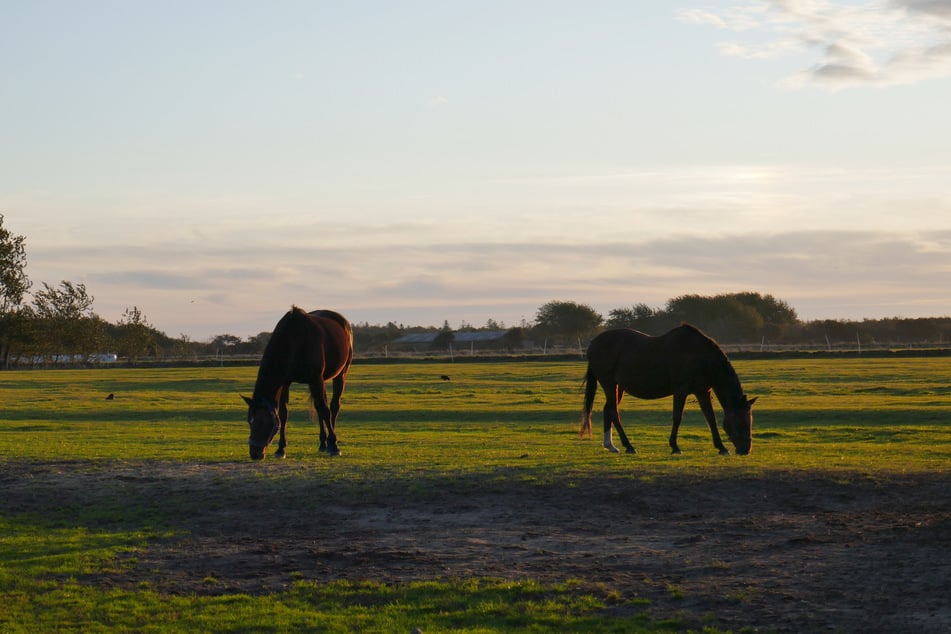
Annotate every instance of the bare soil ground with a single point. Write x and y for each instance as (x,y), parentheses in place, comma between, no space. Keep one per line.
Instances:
(785,552)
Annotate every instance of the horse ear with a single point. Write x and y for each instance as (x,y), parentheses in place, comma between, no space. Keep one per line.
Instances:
(246,399)
(750,401)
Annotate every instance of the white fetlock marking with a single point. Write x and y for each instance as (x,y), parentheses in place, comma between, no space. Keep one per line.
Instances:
(608,443)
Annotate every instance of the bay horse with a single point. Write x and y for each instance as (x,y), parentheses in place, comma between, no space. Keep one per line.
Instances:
(309,348)
(681,362)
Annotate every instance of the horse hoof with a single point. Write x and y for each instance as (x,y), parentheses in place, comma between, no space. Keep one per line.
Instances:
(676,451)
(631,450)
(280,455)
(333,452)
(724,452)
(613,449)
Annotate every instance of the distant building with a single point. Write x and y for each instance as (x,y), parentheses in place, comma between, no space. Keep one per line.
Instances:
(479,336)
(417,338)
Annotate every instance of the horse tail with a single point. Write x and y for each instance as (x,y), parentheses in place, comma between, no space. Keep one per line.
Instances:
(590,389)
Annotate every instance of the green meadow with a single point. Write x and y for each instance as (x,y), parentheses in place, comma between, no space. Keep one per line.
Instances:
(400,426)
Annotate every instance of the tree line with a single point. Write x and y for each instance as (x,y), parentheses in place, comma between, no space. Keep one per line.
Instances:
(56,323)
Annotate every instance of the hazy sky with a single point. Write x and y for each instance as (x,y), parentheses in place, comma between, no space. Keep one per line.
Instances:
(213,162)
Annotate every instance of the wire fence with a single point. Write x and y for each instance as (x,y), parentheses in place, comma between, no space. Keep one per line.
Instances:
(762,349)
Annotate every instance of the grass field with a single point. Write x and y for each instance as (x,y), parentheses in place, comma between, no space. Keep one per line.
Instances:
(93,484)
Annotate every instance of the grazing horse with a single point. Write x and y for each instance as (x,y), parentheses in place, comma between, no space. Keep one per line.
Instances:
(681,362)
(306,348)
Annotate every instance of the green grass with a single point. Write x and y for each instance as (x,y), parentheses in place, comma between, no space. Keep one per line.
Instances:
(467,606)
(846,413)
(401,426)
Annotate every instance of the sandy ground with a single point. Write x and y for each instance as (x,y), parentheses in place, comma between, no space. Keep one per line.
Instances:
(783,552)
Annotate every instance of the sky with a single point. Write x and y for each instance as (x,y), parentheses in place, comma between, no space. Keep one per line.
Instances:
(212,163)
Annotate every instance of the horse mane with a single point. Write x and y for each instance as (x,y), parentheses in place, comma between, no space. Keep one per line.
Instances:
(722,361)
(277,344)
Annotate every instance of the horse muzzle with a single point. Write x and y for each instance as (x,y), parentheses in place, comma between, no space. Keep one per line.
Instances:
(257,453)
(257,450)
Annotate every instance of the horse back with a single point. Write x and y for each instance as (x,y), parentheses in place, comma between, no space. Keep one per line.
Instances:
(336,336)
(650,367)
(309,346)
(336,317)
(629,359)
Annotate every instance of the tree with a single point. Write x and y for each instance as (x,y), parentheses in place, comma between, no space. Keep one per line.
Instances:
(445,337)
(367,337)
(64,323)
(723,317)
(514,338)
(183,346)
(69,301)
(14,284)
(135,334)
(734,316)
(567,321)
(777,315)
(639,317)
(258,342)
(228,342)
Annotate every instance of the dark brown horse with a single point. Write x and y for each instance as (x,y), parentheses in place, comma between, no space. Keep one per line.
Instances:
(682,362)
(306,348)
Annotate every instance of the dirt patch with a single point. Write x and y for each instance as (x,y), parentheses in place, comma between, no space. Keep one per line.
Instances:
(784,552)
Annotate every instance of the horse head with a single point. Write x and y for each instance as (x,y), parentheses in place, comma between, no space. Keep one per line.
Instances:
(264,423)
(738,423)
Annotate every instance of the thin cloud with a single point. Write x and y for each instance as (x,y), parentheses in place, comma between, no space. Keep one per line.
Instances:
(735,18)
(882,43)
(938,8)
(886,273)
(700,16)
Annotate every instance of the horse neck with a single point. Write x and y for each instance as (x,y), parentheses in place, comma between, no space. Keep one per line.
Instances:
(726,385)
(270,379)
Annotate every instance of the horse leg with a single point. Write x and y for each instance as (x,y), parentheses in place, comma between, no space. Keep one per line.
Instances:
(679,401)
(612,418)
(610,413)
(339,383)
(318,392)
(320,425)
(617,423)
(282,417)
(608,443)
(315,417)
(706,406)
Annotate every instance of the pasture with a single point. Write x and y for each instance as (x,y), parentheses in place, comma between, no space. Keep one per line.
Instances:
(470,505)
